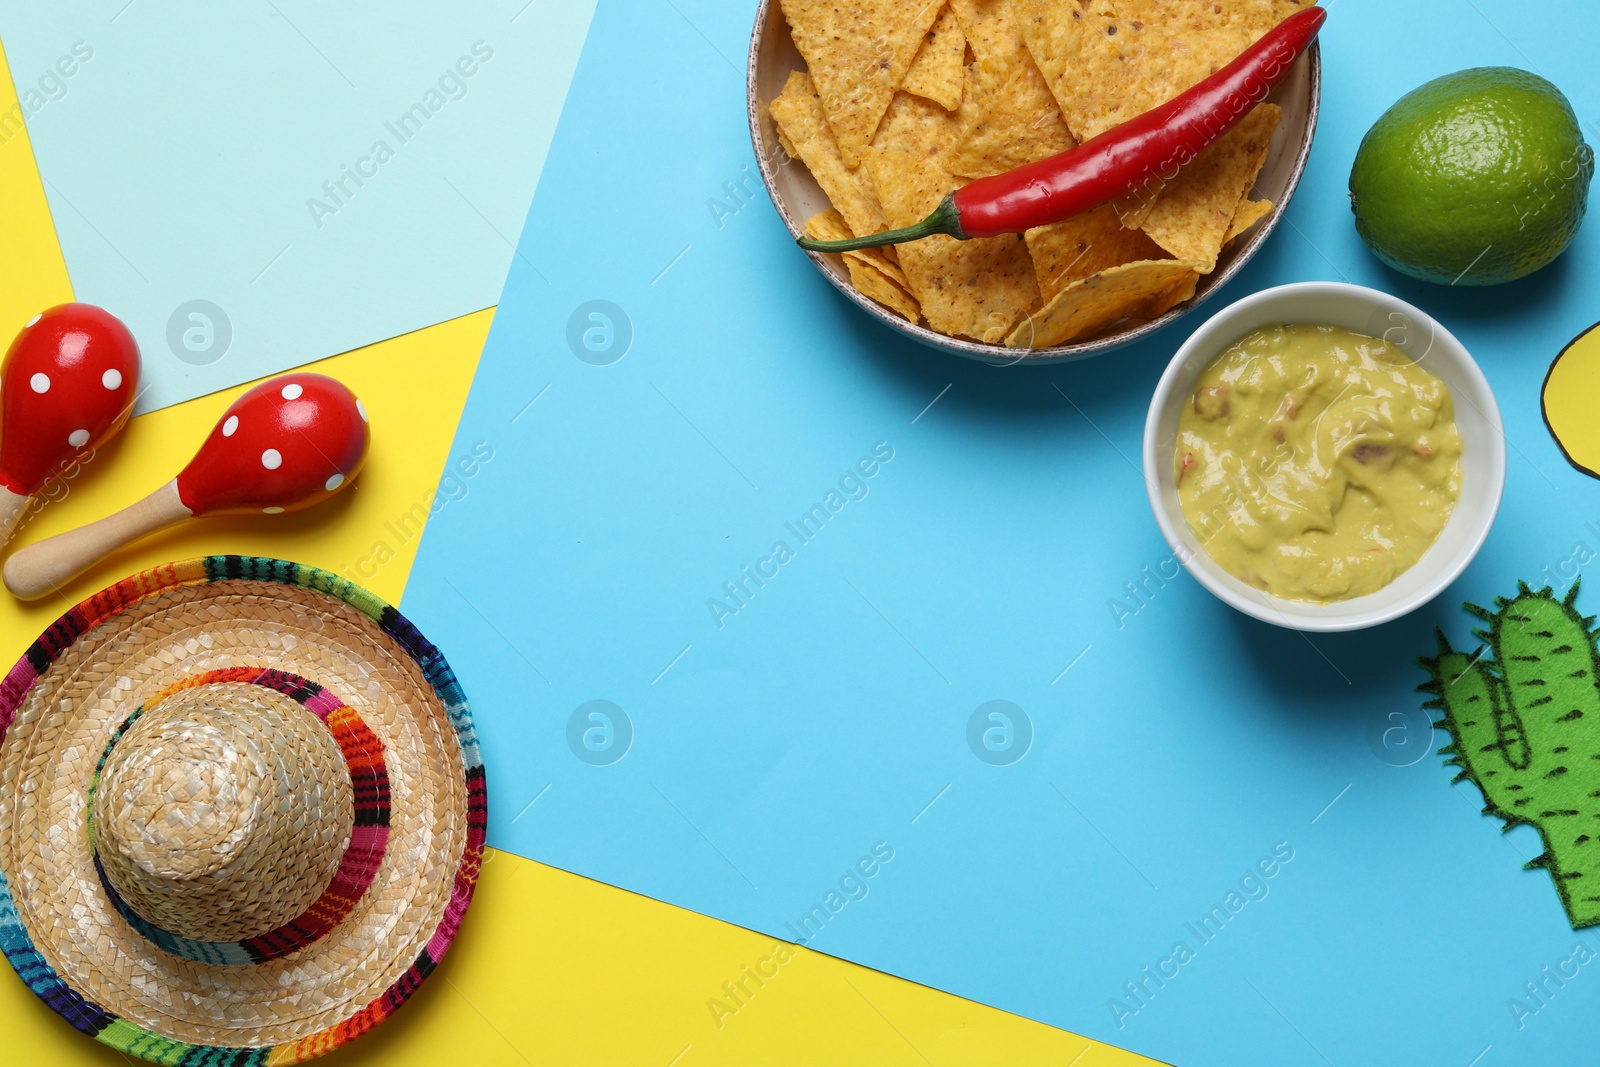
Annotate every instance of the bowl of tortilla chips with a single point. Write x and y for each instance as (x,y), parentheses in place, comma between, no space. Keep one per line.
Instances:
(864,113)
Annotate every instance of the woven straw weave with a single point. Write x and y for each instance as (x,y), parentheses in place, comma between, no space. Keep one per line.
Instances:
(223,812)
(267,854)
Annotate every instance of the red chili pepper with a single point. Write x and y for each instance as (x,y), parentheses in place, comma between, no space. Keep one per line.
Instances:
(1117,162)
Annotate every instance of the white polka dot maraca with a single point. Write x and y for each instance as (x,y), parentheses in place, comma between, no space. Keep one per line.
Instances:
(66,387)
(285,445)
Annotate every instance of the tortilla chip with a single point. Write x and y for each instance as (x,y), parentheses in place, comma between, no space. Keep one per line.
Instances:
(787,145)
(1070,251)
(1009,118)
(902,163)
(1135,208)
(1195,212)
(1011,123)
(830,225)
(1089,306)
(798,114)
(885,265)
(991,30)
(1178,293)
(1250,212)
(978,288)
(858,53)
(939,71)
(1107,61)
(871,272)
(877,286)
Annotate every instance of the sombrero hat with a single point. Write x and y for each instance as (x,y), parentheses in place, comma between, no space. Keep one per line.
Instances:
(241,813)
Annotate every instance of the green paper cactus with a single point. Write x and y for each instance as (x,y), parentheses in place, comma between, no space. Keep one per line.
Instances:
(1523,712)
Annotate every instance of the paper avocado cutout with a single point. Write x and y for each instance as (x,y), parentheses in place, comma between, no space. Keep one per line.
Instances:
(1567,400)
(1523,712)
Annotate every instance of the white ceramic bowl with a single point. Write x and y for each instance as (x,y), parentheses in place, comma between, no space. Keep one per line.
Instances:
(798,197)
(1352,307)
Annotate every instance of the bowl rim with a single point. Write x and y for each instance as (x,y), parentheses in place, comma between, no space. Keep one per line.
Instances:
(1000,355)
(1303,615)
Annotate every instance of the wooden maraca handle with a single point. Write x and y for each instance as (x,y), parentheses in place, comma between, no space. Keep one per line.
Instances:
(12,508)
(36,570)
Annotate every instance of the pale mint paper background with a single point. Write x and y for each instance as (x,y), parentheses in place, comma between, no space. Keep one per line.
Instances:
(180,156)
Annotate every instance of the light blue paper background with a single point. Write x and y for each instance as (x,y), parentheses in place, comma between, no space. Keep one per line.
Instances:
(180,157)
(831,713)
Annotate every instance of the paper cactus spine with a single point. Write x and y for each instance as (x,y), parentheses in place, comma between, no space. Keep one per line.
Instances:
(1523,713)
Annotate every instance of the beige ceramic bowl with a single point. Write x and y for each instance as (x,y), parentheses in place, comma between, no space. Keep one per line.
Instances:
(798,197)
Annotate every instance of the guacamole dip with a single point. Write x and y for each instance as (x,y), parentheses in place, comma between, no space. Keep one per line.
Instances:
(1317,464)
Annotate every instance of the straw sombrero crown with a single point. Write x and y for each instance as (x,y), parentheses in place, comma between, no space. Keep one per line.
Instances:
(241,813)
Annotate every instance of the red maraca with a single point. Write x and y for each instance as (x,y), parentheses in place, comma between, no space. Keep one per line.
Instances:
(285,445)
(66,387)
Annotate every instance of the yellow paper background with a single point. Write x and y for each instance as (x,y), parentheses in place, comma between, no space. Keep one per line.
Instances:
(550,967)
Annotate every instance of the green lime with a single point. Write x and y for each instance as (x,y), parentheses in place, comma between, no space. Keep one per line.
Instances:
(1476,178)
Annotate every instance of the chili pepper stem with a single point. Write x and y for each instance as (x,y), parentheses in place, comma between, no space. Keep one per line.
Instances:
(945,219)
